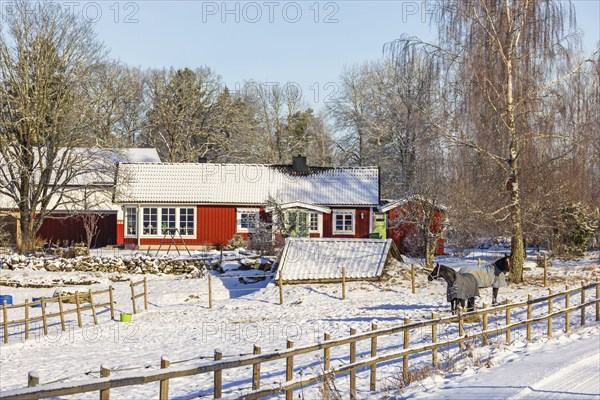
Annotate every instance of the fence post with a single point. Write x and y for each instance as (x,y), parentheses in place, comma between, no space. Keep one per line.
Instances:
(105,393)
(326,367)
(529,316)
(33,379)
(145,293)
(44,319)
(93,307)
(373,381)
(280,284)
(545,270)
(485,324)
(164,385)
(256,370)
(112,304)
(61,312)
(289,371)
(461,330)
(412,278)
(5,321)
(508,301)
(353,360)
(343,283)
(597,302)
(550,293)
(133,296)
(434,339)
(567,306)
(78,307)
(478,262)
(218,378)
(582,302)
(406,333)
(26,319)
(210,296)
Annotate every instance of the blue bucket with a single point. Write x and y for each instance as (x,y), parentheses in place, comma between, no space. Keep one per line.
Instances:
(36,299)
(5,298)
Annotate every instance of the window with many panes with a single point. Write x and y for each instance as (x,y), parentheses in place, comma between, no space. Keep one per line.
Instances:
(186,221)
(130,221)
(313,222)
(150,221)
(167,221)
(247,219)
(343,222)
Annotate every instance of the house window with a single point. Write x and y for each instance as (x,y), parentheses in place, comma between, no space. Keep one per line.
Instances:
(130,221)
(186,221)
(167,221)
(313,222)
(247,219)
(343,222)
(150,221)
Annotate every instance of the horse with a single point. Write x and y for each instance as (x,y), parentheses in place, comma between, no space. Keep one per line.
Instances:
(460,287)
(492,275)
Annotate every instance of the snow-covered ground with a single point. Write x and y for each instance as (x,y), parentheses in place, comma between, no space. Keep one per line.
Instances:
(179,325)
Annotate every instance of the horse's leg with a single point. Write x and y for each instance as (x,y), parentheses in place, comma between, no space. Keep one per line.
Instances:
(471,304)
(494,296)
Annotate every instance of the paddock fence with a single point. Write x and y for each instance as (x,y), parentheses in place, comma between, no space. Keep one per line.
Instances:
(509,317)
(76,303)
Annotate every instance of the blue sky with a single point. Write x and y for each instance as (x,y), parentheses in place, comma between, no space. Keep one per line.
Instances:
(306,42)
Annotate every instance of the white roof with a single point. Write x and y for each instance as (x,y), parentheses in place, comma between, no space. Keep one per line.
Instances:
(323,258)
(390,205)
(245,184)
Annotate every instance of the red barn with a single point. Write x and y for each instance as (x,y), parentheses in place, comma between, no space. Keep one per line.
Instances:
(405,217)
(210,203)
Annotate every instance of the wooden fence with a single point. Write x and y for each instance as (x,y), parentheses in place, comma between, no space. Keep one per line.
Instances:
(83,301)
(216,367)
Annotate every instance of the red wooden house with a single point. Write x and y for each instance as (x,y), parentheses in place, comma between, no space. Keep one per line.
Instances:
(207,204)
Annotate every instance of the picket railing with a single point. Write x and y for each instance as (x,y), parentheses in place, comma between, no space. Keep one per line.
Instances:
(218,365)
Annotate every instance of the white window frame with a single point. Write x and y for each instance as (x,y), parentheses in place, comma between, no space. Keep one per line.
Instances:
(131,212)
(139,216)
(343,213)
(318,221)
(238,219)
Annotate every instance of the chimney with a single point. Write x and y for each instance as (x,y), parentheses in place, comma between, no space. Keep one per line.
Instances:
(202,160)
(299,164)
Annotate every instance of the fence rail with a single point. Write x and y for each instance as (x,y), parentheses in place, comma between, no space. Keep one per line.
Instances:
(218,365)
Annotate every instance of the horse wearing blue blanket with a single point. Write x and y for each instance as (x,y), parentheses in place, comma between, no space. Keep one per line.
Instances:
(492,275)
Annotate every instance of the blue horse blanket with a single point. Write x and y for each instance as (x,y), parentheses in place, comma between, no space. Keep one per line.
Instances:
(464,287)
(487,276)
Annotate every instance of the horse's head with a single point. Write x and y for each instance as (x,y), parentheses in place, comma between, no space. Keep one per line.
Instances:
(504,264)
(435,273)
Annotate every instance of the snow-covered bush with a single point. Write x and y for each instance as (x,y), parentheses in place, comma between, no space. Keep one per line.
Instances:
(574,227)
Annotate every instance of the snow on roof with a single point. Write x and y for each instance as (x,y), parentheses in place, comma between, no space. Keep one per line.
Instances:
(322,259)
(251,184)
(390,205)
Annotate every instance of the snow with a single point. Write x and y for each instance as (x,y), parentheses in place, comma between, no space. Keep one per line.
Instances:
(179,325)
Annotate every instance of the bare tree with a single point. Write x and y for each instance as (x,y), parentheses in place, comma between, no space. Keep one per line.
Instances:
(46,57)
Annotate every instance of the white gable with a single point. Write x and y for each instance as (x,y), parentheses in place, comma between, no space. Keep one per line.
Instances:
(250,184)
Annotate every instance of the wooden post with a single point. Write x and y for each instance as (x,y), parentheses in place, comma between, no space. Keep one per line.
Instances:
(478,262)
(597,302)
(353,360)
(508,301)
(93,307)
(485,324)
(289,371)
(62,313)
(280,284)
(210,297)
(567,305)
(582,302)
(5,321)
(406,344)
(550,312)
(78,307)
(256,370)
(412,278)
(164,385)
(145,293)
(545,270)
(112,303)
(44,319)
(529,316)
(133,296)
(373,380)
(104,372)
(33,379)
(461,330)
(26,319)
(343,283)
(218,378)
(434,339)
(326,367)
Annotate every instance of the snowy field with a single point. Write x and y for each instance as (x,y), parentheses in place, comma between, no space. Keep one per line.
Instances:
(180,325)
